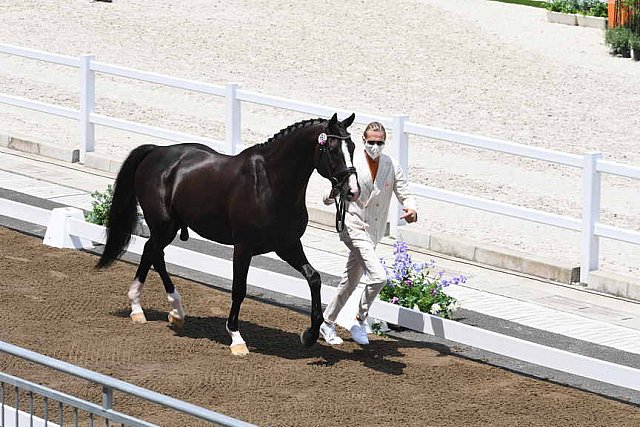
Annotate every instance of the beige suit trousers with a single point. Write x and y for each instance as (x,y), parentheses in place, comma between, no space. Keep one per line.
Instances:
(362,260)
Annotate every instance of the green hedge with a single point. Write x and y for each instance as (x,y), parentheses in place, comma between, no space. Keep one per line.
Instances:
(584,7)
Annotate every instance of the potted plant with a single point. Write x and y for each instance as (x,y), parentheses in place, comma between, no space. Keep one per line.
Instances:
(618,41)
(634,44)
(415,285)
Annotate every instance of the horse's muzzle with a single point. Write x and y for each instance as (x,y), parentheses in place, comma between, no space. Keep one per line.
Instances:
(347,183)
(352,192)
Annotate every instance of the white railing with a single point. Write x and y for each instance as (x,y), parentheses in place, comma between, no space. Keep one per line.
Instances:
(65,226)
(591,164)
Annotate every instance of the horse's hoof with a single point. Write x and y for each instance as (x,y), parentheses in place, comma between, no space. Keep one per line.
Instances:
(176,322)
(138,317)
(239,349)
(307,338)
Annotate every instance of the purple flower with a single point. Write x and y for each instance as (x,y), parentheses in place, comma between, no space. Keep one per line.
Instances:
(394,300)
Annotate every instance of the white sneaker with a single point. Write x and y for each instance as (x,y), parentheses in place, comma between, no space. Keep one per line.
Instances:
(359,333)
(328,332)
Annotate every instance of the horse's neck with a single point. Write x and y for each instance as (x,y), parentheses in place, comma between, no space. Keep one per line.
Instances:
(291,165)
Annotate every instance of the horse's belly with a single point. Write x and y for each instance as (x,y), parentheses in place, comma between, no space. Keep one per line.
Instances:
(216,230)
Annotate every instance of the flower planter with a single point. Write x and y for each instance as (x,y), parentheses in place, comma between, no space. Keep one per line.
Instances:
(592,22)
(562,18)
(635,54)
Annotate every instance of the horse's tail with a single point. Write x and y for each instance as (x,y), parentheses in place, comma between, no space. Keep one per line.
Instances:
(123,212)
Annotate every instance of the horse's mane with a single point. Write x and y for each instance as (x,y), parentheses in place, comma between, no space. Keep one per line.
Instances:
(289,129)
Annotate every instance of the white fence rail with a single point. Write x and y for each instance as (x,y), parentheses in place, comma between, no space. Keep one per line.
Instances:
(591,164)
(76,230)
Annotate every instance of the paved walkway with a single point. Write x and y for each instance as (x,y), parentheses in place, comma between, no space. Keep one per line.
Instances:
(567,310)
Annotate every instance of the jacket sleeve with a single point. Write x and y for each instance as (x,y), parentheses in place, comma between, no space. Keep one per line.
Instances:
(401,187)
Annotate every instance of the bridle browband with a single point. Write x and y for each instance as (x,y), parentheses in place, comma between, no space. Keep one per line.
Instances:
(324,168)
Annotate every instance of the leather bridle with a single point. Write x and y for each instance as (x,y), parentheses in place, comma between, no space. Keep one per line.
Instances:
(337,179)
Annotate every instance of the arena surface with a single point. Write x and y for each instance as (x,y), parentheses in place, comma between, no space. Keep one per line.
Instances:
(55,303)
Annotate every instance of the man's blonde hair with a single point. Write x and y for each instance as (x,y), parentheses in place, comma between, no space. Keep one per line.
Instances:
(376,127)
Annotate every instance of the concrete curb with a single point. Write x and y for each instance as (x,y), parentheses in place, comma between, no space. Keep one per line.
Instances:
(106,164)
(40,148)
(615,284)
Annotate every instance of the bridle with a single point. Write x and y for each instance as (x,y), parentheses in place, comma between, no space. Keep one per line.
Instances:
(324,168)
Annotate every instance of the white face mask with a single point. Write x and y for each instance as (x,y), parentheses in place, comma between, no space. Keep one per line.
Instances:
(373,151)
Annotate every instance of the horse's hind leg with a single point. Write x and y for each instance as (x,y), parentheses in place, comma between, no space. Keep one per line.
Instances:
(241,262)
(135,291)
(294,256)
(161,236)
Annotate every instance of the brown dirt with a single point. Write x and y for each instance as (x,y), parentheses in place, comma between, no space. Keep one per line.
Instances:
(55,303)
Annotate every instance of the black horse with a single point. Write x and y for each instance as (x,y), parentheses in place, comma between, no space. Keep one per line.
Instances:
(254,201)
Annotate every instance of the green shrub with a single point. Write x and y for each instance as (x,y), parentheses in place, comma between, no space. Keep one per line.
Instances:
(585,7)
(564,6)
(598,9)
(618,40)
(634,41)
(100,206)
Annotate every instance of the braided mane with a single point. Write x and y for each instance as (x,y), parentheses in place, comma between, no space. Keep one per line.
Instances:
(289,129)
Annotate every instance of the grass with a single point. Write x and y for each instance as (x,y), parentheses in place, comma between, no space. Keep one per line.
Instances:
(532,3)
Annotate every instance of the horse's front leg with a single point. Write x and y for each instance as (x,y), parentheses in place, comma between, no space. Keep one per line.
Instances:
(294,256)
(241,262)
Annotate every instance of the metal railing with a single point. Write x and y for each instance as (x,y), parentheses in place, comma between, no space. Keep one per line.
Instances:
(108,385)
(591,164)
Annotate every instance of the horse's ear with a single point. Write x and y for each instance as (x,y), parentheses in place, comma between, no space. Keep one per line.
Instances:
(333,119)
(347,122)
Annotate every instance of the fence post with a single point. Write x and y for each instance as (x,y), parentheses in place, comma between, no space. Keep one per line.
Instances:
(232,119)
(399,150)
(591,191)
(57,234)
(107,401)
(87,106)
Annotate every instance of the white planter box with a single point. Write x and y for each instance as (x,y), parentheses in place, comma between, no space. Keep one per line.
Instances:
(592,22)
(562,18)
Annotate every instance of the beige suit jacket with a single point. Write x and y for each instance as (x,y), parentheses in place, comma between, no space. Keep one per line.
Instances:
(366,218)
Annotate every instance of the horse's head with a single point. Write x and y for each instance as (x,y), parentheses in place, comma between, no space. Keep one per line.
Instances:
(334,157)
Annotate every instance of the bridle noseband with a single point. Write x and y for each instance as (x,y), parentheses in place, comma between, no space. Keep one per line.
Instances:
(324,168)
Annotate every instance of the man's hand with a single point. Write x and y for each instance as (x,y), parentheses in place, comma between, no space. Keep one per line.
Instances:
(410,215)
